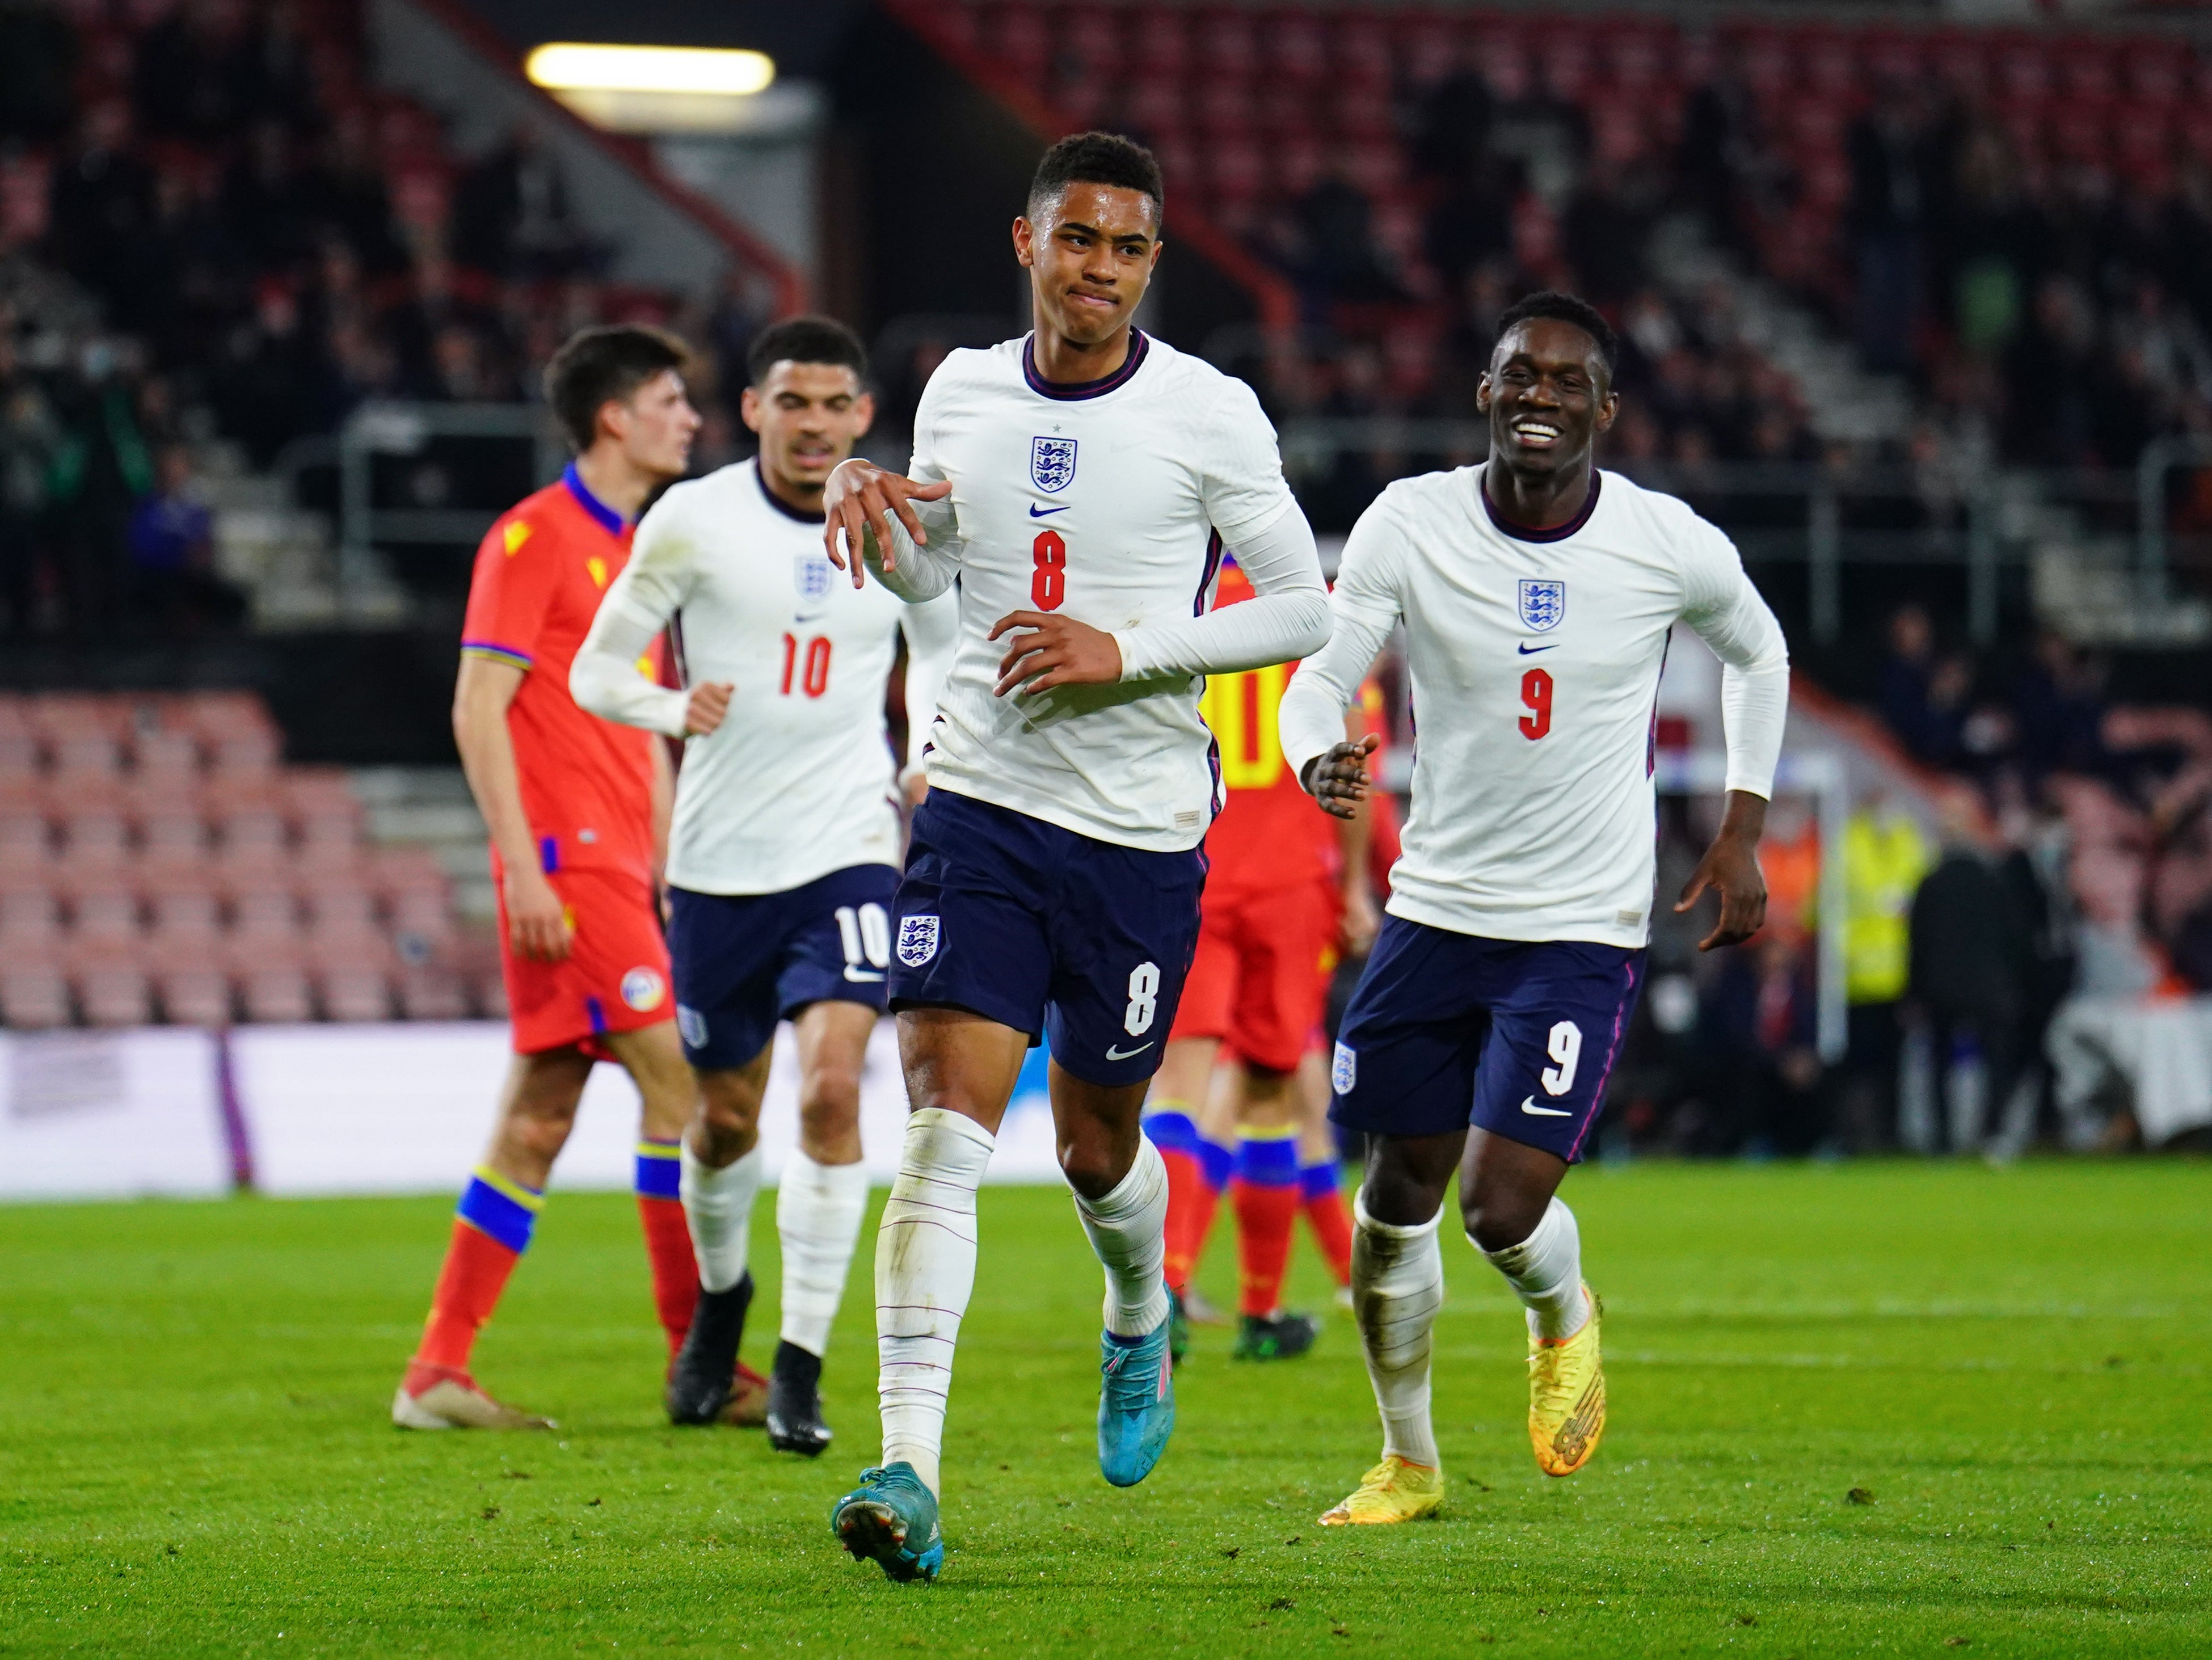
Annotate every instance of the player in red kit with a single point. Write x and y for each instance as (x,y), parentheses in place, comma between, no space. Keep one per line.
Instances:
(1286,891)
(576,807)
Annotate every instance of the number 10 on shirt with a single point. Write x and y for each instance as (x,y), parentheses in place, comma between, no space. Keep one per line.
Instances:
(814,678)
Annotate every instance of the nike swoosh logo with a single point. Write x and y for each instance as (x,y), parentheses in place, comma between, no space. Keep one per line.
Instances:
(808,616)
(1530,1107)
(1123,1055)
(1036,512)
(1530,651)
(860,976)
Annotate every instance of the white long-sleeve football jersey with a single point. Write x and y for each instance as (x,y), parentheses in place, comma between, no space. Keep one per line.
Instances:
(1109,502)
(799,780)
(1535,659)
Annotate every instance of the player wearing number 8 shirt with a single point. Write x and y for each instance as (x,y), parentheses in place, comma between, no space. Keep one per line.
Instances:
(782,857)
(1537,595)
(1079,484)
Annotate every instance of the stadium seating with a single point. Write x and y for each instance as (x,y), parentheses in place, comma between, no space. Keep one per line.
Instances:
(158,862)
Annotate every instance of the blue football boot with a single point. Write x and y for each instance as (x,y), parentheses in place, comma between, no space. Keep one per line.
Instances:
(891,1518)
(1136,1404)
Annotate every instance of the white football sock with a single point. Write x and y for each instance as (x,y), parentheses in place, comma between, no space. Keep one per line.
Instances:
(1547,1270)
(925,1270)
(1128,1230)
(1397,1287)
(818,1217)
(719,1206)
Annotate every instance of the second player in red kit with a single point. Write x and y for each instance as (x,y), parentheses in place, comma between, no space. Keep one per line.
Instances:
(1281,890)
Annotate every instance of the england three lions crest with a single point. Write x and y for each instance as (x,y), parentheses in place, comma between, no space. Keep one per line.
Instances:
(1543,605)
(1052,463)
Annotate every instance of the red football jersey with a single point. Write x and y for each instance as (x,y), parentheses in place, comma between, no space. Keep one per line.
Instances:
(540,573)
(1270,833)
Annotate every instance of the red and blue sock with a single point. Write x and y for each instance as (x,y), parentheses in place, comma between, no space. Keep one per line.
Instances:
(1197,1170)
(667,1236)
(1267,1195)
(492,1227)
(1328,1216)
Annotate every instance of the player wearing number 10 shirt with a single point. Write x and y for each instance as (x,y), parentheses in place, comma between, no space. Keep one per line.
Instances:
(1079,485)
(1537,596)
(784,852)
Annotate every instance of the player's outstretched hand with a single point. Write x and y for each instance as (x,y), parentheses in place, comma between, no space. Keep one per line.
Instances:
(1730,869)
(1338,779)
(709,701)
(1058,652)
(859,499)
(536,921)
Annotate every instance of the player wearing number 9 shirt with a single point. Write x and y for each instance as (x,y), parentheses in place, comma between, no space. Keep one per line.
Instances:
(1537,595)
(1079,485)
(783,854)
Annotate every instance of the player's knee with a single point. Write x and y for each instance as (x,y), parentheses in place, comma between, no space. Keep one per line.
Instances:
(832,1099)
(728,1106)
(541,1131)
(1499,1221)
(1091,1166)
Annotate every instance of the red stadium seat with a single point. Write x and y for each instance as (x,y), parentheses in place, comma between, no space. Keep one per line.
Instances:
(1225,108)
(431,993)
(104,916)
(356,992)
(268,915)
(30,921)
(1018,35)
(194,994)
(1359,53)
(272,989)
(34,996)
(1293,48)
(184,917)
(1161,44)
(1226,48)
(113,989)
(24,834)
(250,831)
(165,753)
(1091,40)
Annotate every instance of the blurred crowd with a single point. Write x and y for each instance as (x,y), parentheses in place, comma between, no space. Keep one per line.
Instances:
(2020,224)
(2036,848)
(211,226)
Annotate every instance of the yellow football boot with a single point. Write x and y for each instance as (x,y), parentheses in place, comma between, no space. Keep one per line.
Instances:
(1566,1396)
(1394,1491)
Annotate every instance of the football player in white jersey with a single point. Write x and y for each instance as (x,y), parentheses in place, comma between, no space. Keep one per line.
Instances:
(1079,484)
(1536,594)
(783,856)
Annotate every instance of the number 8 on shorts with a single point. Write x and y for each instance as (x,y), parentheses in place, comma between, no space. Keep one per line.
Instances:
(1144,999)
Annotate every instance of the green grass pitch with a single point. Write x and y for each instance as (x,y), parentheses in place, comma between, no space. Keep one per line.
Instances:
(2010,1367)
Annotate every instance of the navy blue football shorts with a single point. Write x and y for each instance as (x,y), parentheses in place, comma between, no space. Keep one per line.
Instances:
(1447,1029)
(1049,932)
(742,962)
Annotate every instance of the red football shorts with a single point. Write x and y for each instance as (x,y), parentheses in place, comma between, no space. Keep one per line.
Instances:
(615,977)
(1259,978)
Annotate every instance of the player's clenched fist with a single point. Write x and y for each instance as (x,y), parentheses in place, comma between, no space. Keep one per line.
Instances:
(1058,652)
(708,702)
(536,920)
(1338,779)
(859,500)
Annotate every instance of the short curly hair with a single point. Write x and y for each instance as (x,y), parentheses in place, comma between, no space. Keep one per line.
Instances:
(1097,158)
(1564,308)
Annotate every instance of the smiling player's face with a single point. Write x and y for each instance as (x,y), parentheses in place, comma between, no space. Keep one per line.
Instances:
(1547,396)
(1090,255)
(809,416)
